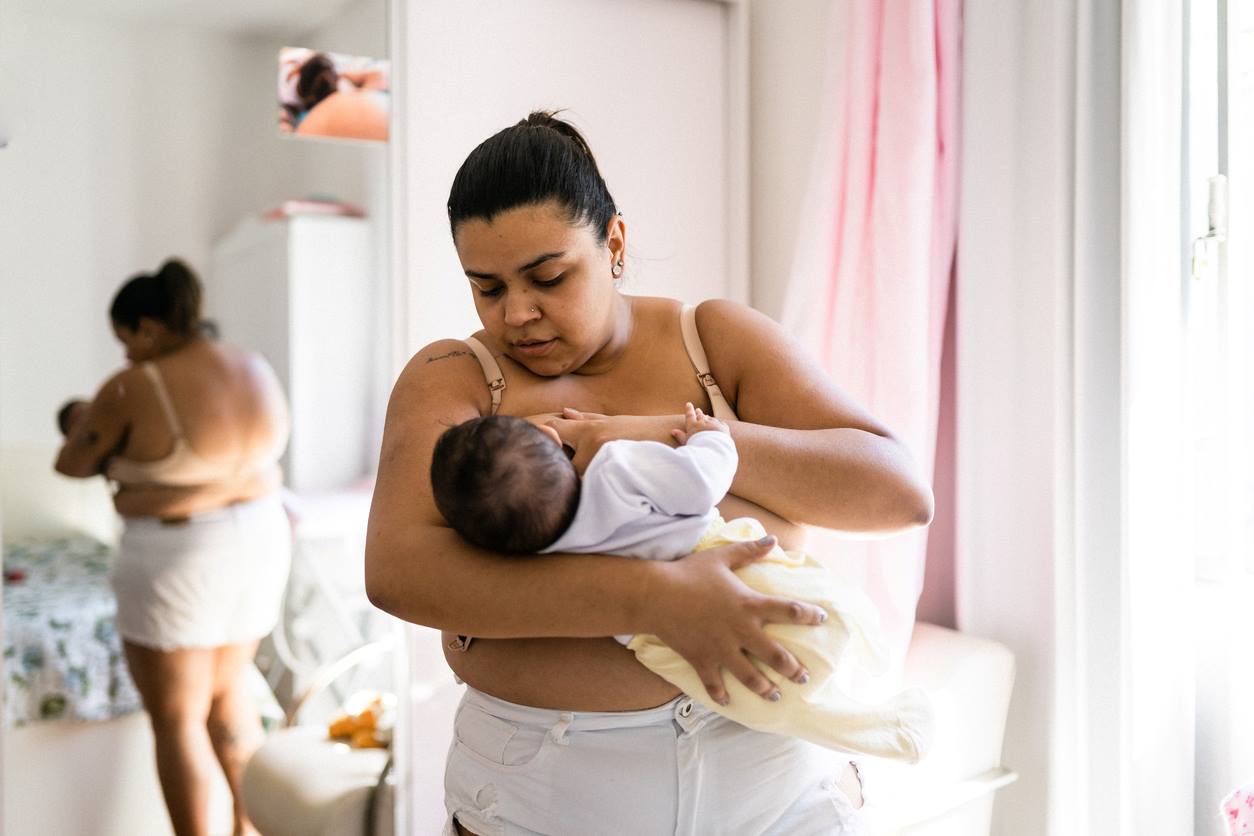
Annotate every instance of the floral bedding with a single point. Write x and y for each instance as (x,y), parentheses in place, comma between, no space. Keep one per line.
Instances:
(62,656)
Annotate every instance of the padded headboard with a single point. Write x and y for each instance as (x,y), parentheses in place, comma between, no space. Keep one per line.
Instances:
(36,501)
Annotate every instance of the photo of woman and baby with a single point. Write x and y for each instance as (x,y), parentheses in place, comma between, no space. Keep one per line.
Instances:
(325,94)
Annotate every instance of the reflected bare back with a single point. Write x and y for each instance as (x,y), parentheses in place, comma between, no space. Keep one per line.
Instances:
(229,407)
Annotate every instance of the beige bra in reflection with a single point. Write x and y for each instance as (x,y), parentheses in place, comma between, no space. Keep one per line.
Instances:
(183,466)
(696,353)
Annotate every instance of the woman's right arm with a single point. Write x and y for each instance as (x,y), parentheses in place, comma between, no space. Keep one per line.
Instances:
(420,570)
(99,433)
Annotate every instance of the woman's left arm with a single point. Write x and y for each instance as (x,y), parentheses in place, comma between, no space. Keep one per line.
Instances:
(808,451)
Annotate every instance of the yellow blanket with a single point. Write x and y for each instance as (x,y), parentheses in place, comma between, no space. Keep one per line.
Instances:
(817,711)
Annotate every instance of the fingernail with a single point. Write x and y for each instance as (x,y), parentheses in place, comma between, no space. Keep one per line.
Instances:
(767,540)
(804,678)
(822,616)
(723,701)
(774,696)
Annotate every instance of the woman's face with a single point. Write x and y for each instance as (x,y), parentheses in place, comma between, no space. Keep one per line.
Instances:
(541,285)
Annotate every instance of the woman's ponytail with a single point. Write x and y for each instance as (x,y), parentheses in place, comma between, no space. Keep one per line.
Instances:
(541,158)
(171,296)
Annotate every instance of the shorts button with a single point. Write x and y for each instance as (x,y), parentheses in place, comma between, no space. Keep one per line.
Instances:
(685,709)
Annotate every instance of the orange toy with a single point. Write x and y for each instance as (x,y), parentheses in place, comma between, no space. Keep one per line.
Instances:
(360,730)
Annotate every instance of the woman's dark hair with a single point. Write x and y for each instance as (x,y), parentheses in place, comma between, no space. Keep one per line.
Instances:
(539,159)
(171,296)
(503,484)
(318,80)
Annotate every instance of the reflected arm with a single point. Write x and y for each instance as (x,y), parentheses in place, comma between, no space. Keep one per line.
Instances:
(99,434)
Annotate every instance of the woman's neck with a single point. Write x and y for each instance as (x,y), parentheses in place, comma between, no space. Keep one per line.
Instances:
(620,326)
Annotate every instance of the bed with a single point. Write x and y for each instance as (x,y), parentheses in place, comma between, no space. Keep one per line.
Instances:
(78,751)
(62,657)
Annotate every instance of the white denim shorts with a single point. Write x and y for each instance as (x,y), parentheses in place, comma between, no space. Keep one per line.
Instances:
(676,769)
(212,580)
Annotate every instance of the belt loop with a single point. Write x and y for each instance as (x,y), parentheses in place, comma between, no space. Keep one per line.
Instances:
(558,732)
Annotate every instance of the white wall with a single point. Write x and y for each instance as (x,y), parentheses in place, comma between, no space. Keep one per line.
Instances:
(794,46)
(469,76)
(112,133)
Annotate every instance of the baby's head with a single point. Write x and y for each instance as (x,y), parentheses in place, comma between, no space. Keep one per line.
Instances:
(505,484)
(69,413)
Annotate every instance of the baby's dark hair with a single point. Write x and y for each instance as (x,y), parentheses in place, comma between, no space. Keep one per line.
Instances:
(63,415)
(503,484)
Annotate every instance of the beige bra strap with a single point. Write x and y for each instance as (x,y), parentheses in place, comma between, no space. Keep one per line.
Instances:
(496,385)
(491,371)
(696,353)
(150,369)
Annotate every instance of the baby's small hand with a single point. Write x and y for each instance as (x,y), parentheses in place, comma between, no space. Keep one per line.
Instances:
(696,421)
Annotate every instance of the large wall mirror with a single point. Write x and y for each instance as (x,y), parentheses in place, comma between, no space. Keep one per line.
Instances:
(133,133)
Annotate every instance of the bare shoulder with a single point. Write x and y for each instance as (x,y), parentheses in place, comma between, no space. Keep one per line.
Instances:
(236,366)
(441,386)
(771,378)
(119,390)
(252,362)
(722,320)
(445,372)
(739,340)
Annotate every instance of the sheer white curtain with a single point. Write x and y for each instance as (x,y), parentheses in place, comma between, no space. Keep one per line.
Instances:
(1157,688)
(1219,316)
(1073,497)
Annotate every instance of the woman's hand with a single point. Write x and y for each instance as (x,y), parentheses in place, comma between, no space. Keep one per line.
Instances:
(709,617)
(586,432)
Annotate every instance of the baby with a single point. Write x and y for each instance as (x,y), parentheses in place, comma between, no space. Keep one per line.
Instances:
(69,414)
(507,485)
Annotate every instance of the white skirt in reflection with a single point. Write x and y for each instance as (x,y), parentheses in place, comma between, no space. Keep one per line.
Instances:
(216,579)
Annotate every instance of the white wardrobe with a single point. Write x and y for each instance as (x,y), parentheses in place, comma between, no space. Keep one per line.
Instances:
(302,291)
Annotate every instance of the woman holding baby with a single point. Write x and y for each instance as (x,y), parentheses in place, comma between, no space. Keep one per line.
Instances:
(561,730)
(190,433)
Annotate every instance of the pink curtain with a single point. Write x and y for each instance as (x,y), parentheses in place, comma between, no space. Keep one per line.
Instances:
(874,311)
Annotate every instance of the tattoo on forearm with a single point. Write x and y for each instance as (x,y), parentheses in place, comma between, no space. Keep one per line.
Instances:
(457,353)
